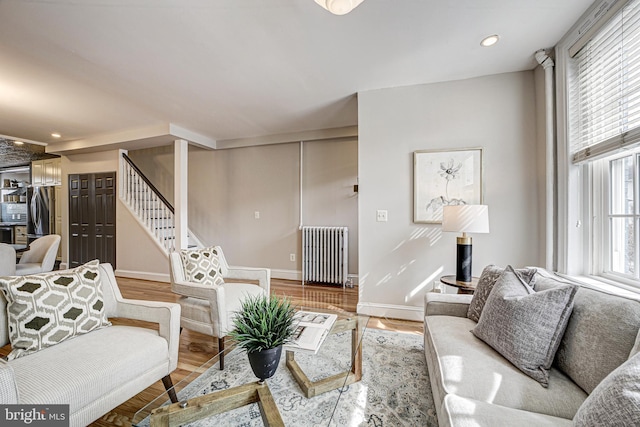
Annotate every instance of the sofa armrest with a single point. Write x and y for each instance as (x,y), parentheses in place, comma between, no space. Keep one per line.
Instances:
(262,275)
(446,304)
(165,314)
(8,389)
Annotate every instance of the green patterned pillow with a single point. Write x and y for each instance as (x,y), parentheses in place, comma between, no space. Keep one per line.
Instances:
(202,266)
(46,309)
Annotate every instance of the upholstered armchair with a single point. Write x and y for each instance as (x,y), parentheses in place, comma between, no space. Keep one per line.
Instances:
(208,301)
(40,257)
(7,260)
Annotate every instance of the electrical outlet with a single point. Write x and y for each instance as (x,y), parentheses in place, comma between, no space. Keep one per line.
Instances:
(256,214)
(292,257)
(381,216)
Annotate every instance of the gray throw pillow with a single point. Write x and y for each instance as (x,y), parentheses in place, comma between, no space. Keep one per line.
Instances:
(615,401)
(525,326)
(488,278)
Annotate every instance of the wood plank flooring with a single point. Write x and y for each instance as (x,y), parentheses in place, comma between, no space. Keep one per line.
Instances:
(195,348)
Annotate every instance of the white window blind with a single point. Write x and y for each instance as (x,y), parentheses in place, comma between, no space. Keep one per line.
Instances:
(605,88)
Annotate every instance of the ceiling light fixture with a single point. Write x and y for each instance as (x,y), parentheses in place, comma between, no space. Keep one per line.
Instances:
(18,142)
(56,135)
(489,40)
(339,7)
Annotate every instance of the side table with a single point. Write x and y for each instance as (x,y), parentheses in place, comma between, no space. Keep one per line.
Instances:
(463,287)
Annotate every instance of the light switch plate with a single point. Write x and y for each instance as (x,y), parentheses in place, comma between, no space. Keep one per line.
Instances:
(381,215)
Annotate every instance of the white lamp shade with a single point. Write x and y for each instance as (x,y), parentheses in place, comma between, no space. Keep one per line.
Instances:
(339,7)
(466,218)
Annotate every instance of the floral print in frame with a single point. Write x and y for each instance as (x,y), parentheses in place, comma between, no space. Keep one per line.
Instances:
(443,178)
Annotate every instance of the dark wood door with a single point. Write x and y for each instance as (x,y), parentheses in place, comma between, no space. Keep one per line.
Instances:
(92,218)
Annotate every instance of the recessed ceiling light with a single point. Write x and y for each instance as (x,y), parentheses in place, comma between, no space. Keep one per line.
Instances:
(56,135)
(18,142)
(489,40)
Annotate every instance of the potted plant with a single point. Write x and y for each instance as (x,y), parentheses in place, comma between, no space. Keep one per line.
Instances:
(263,324)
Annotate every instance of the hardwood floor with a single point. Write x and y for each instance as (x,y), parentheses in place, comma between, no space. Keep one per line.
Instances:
(196,349)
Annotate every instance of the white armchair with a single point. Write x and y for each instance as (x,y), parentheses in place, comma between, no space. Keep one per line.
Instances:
(41,256)
(7,260)
(209,309)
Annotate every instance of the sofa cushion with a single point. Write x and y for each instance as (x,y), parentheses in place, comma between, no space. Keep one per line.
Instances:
(462,412)
(202,266)
(523,325)
(462,364)
(46,309)
(488,278)
(616,400)
(601,332)
(81,371)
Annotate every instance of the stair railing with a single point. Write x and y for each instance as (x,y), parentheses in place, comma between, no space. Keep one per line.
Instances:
(151,208)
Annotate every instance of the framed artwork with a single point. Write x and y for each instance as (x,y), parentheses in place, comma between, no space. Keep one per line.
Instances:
(445,177)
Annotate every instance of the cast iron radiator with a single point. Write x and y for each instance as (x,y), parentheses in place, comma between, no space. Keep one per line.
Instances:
(325,255)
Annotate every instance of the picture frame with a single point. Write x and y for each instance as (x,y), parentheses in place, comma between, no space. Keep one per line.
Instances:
(445,177)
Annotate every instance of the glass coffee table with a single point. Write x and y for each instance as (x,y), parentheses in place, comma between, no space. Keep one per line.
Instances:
(305,390)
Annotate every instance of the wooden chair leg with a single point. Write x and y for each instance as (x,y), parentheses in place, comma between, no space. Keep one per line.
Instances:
(221,351)
(168,385)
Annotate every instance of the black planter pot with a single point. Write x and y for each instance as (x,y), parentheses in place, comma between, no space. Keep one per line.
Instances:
(264,363)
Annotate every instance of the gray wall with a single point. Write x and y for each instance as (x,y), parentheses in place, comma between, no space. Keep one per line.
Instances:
(400,260)
(136,254)
(227,187)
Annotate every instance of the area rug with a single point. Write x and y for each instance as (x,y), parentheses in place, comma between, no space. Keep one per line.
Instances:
(394,390)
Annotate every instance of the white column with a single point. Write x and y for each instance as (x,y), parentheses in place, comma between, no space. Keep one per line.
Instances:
(180,184)
(548,64)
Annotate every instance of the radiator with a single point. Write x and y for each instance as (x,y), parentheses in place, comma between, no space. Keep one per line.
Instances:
(325,255)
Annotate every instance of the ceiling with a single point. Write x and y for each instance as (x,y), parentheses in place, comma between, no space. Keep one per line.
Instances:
(12,155)
(233,69)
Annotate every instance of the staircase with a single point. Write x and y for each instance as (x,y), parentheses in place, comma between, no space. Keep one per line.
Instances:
(152,210)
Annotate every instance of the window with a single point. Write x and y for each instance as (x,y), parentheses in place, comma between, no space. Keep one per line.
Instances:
(620,215)
(604,138)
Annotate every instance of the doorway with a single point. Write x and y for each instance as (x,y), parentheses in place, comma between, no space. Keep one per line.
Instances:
(92,218)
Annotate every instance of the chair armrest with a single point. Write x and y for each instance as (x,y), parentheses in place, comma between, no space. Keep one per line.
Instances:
(195,290)
(165,314)
(262,275)
(8,389)
(446,304)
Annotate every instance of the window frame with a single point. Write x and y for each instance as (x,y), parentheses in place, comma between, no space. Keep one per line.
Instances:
(601,208)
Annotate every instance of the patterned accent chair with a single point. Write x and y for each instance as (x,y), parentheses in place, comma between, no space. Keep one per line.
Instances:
(7,260)
(41,256)
(208,302)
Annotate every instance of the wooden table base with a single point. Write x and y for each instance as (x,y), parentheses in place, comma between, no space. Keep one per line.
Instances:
(201,407)
(314,388)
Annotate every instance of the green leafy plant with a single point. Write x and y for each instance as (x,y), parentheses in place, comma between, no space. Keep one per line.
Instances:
(263,322)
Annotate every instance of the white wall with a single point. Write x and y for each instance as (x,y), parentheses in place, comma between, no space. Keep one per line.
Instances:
(136,254)
(400,260)
(227,187)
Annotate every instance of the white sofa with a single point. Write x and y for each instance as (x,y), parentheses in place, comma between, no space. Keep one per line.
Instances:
(98,371)
(473,385)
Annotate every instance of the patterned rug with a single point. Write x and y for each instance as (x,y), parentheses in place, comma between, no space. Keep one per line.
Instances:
(394,390)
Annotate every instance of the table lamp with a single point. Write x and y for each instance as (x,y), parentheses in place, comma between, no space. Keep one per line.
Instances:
(465,219)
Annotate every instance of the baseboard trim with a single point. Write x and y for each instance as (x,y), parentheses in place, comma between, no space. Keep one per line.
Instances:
(297,275)
(404,312)
(286,274)
(143,275)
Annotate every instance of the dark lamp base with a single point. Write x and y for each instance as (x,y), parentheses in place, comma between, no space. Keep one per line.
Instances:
(463,263)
